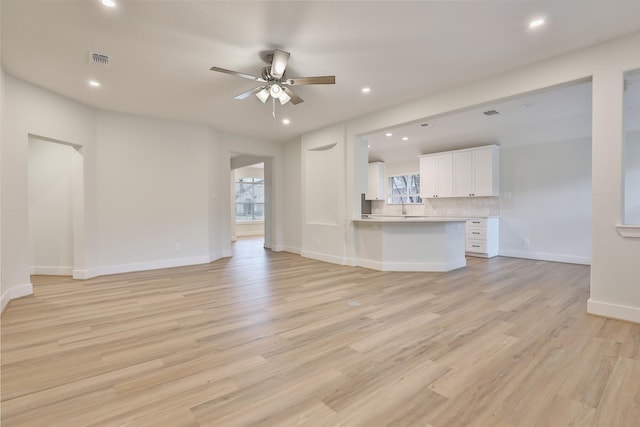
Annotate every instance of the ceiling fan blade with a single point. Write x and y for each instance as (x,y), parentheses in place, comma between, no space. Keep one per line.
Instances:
(248,93)
(319,80)
(279,63)
(295,99)
(238,74)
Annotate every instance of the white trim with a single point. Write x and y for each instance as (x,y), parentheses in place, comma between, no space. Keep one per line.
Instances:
(215,256)
(15,292)
(154,265)
(52,271)
(323,257)
(625,230)
(86,274)
(249,233)
(292,249)
(413,266)
(541,256)
(622,312)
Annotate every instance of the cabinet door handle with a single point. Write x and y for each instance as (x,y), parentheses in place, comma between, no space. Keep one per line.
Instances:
(475,246)
(475,232)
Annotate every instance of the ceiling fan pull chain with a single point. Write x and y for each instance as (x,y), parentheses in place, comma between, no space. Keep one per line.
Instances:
(273,108)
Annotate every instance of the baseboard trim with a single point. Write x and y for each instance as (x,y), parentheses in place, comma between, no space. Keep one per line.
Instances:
(249,234)
(14,293)
(614,311)
(292,249)
(413,266)
(52,271)
(154,265)
(542,256)
(323,257)
(85,274)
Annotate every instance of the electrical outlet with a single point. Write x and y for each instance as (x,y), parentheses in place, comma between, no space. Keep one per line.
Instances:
(526,241)
(178,247)
(317,242)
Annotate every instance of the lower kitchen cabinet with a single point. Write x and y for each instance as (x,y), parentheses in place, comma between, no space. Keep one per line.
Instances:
(482,237)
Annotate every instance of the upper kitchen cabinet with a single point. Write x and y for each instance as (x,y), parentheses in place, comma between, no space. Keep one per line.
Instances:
(475,172)
(436,175)
(375,186)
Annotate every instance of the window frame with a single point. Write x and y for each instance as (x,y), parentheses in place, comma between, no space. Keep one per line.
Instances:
(256,181)
(407,195)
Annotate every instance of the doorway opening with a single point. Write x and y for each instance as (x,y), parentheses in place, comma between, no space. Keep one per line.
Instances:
(249,201)
(55,186)
(251,197)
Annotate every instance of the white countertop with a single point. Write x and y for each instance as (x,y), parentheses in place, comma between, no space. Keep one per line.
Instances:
(408,218)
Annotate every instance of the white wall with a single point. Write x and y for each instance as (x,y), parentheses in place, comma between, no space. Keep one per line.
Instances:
(324,194)
(31,110)
(153,193)
(249,172)
(292,207)
(51,207)
(546,199)
(3,301)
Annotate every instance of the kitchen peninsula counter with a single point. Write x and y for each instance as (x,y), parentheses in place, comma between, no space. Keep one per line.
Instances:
(410,243)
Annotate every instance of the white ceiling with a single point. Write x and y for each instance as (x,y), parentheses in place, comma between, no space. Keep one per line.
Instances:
(162,51)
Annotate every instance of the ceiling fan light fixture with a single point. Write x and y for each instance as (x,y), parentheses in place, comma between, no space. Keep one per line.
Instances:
(263,95)
(275,91)
(284,98)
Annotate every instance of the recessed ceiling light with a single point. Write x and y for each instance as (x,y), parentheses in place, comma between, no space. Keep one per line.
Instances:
(388,134)
(366,89)
(286,121)
(94,83)
(536,23)
(109,3)
(405,138)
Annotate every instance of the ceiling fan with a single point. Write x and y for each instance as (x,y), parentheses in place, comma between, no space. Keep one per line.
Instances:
(275,82)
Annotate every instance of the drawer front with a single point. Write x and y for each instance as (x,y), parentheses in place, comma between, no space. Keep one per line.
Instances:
(476,246)
(476,233)
(481,222)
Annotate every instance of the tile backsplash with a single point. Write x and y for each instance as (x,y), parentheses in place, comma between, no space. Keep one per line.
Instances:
(455,207)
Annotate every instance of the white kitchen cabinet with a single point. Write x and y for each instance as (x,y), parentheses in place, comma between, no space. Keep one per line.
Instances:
(375,185)
(475,172)
(436,176)
(482,237)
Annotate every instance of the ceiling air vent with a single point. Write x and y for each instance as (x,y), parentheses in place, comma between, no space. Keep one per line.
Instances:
(99,58)
(491,112)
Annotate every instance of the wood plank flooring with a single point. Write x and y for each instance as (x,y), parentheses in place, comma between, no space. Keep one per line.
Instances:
(273,339)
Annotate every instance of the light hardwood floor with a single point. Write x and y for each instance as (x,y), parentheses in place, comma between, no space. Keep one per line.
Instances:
(273,339)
